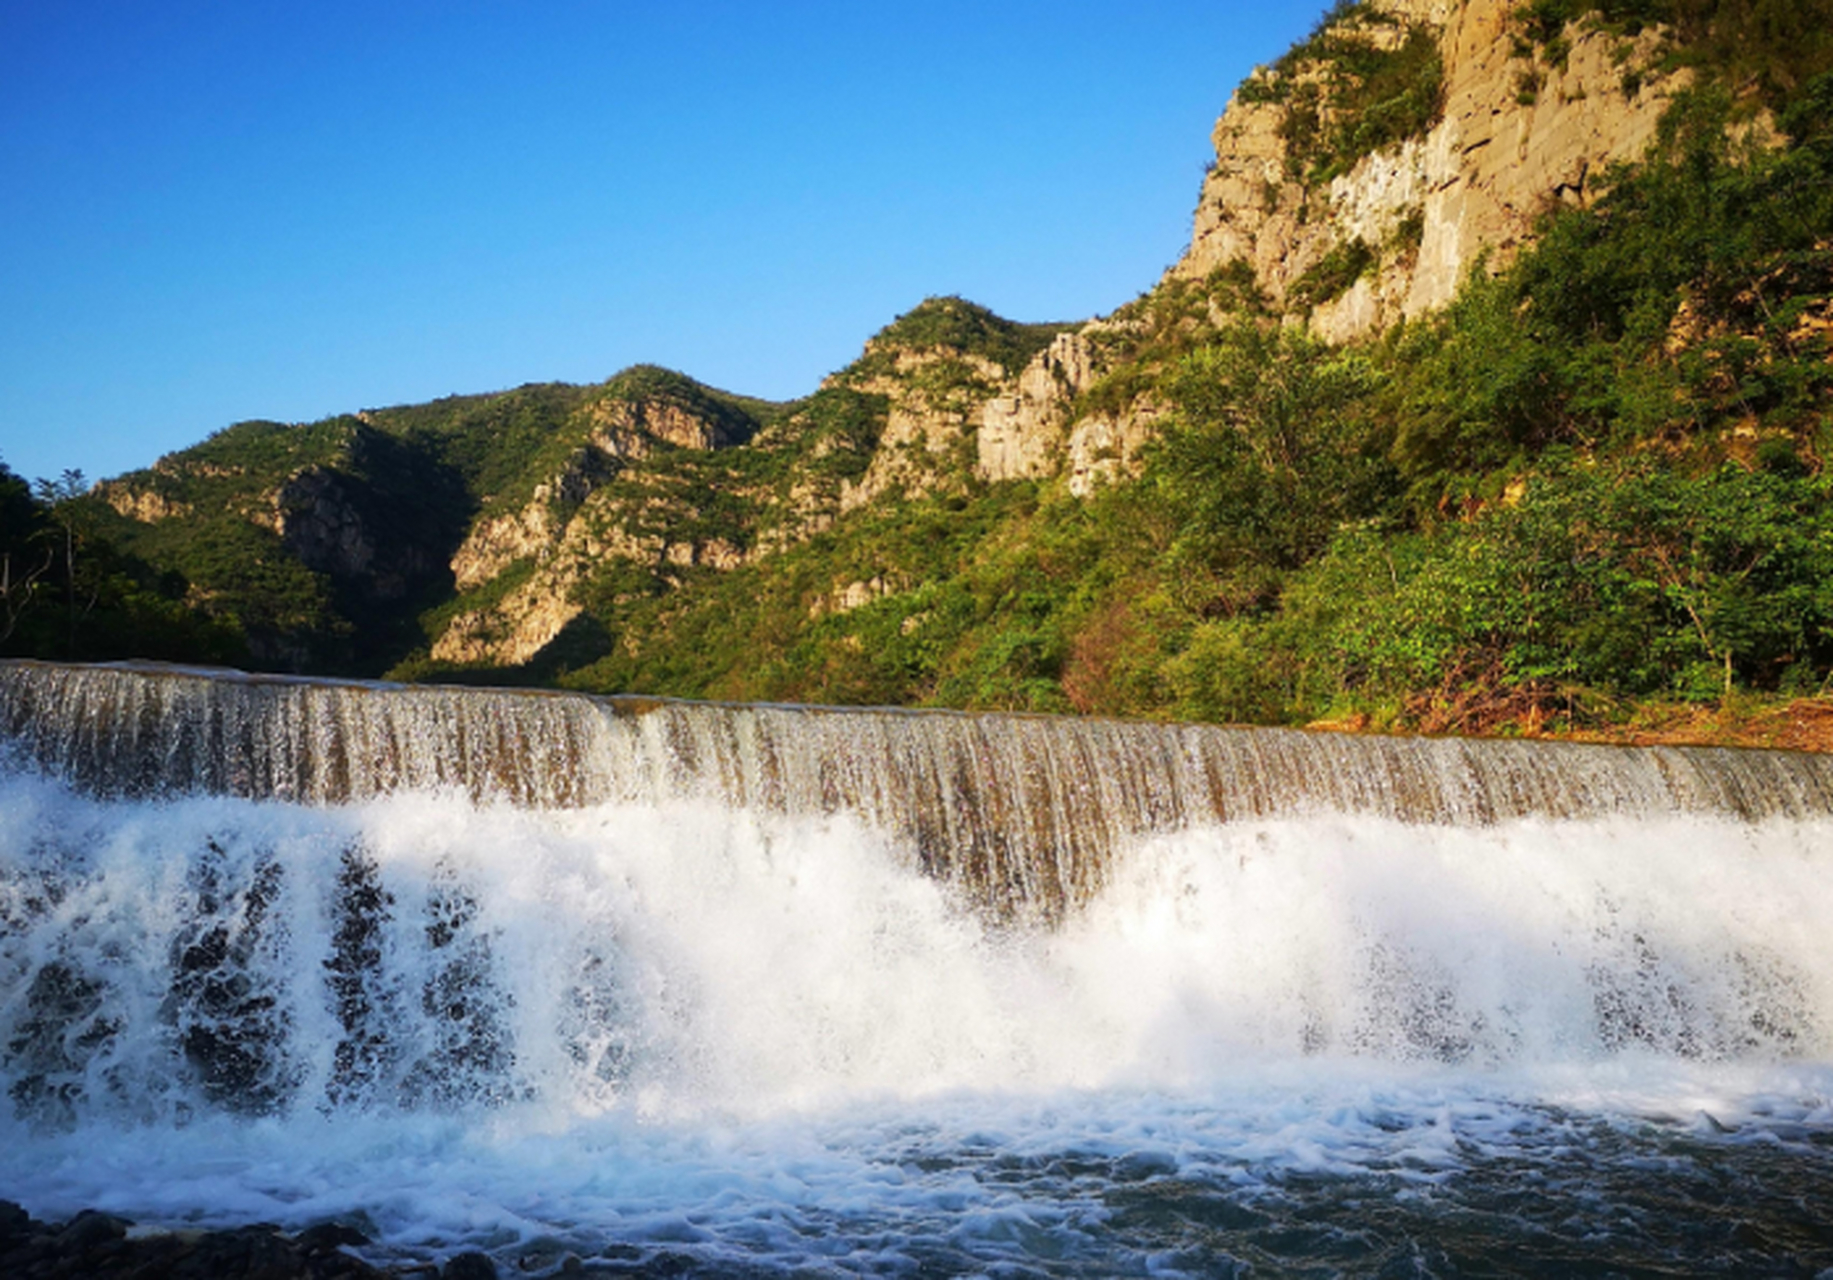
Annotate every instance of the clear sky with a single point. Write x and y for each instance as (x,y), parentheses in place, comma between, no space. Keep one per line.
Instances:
(212,211)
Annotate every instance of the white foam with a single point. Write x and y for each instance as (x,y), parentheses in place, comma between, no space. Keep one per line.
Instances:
(744,1033)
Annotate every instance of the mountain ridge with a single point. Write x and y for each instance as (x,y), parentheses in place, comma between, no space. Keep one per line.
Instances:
(1136,514)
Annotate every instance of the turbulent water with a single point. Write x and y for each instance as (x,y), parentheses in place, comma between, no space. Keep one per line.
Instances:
(770,991)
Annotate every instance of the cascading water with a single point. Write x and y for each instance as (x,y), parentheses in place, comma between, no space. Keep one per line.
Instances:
(780,990)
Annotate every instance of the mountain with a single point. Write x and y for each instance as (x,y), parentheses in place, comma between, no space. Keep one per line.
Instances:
(1491,393)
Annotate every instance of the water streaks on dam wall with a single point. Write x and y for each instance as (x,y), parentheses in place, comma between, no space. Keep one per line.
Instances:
(1021,812)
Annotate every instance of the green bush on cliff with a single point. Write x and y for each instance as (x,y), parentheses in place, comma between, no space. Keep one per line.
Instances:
(1334,274)
(1767,47)
(1350,89)
(967,327)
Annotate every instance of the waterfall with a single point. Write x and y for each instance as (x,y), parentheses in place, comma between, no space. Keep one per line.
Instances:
(1022,813)
(772,990)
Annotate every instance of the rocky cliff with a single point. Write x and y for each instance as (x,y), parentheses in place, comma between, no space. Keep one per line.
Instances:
(1309,216)
(528,561)
(1517,125)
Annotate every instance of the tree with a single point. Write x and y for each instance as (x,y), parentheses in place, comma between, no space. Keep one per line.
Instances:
(1268,450)
(24,560)
(59,498)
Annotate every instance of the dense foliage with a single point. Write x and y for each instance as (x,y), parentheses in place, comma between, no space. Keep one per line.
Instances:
(68,592)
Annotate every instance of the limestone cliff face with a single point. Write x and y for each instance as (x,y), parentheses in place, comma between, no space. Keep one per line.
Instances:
(619,429)
(510,632)
(1022,429)
(627,428)
(1392,236)
(935,396)
(496,542)
(147,506)
(318,521)
(516,628)
(340,527)
(569,524)
(1103,447)
(1517,131)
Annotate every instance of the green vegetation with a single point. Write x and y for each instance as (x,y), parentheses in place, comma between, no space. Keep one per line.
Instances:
(963,327)
(1594,480)
(1334,274)
(489,440)
(67,592)
(1603,475)
(1597,479)
(325,546)
(1362,81)
(1766,48)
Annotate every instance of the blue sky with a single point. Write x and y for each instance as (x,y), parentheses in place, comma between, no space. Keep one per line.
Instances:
(219,211)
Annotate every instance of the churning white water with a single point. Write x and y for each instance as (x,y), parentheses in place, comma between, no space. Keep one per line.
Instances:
(682,1032)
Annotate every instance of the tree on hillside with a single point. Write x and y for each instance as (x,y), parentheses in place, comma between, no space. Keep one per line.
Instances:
(24,558)
(58,498)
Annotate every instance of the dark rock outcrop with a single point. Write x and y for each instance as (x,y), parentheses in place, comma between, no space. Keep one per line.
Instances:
(99,1246)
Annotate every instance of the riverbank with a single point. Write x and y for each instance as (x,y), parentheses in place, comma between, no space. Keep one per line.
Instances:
(1798,724)
(100,1246)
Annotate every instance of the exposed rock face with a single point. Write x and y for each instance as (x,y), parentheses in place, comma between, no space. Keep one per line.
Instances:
(1371,204)
(1515,134)
(1022,430)
(809,509)
(1104,447)
(622,430)
(630,428)
(144,505)
(513,631)
(615,539)
(936,396)
(331,523)
(1496,161)
(317,520)
(917,437)
(496,542)
(568,525)
(518,627)
(851,596)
